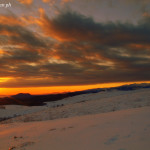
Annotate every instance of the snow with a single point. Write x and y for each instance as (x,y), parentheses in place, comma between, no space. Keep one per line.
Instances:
(120,130)
(17,110)
(110,120)
(85,104)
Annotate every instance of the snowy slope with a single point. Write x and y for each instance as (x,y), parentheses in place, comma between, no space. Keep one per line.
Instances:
(120,130)
(86,104)
(17,110)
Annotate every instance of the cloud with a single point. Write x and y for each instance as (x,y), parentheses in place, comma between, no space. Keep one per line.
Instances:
(66,1)
(46,1)
(26,2)
(14,31)
(7,20)
(71,26)
(73,49)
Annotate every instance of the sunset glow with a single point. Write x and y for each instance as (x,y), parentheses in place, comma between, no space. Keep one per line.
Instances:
(54,46)
(58,89)
(3,80)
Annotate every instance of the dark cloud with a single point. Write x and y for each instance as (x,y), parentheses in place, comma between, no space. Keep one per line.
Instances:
(20,35)
(20,56)
(71,26)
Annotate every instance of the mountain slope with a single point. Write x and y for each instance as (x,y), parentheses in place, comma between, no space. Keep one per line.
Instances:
(120,130)
(84,104)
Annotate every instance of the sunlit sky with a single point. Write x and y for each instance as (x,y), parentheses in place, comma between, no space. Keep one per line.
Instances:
(50,46)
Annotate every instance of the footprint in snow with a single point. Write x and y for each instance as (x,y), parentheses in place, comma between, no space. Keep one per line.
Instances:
(111,140)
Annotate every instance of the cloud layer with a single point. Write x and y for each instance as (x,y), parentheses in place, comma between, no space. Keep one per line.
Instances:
(72,49)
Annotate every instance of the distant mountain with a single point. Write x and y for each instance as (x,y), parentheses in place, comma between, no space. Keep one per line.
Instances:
(121,88)
(22,96)
(36,100)
(132,87)
(93,90)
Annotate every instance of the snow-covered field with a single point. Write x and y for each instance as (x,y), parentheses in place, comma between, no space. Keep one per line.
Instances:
(120,130)
(114,120)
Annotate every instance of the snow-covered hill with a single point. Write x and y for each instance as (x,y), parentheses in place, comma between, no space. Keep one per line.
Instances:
(84,104)
(120,130)
(108,120)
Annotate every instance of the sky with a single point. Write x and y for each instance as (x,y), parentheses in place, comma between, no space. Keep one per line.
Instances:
(49,46)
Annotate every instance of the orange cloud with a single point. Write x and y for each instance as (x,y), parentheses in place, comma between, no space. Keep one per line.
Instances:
(1,52)
(54,1)
(10,20)
(7,21)
(139,46)
(46,1)
(26,2)
(28,20)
